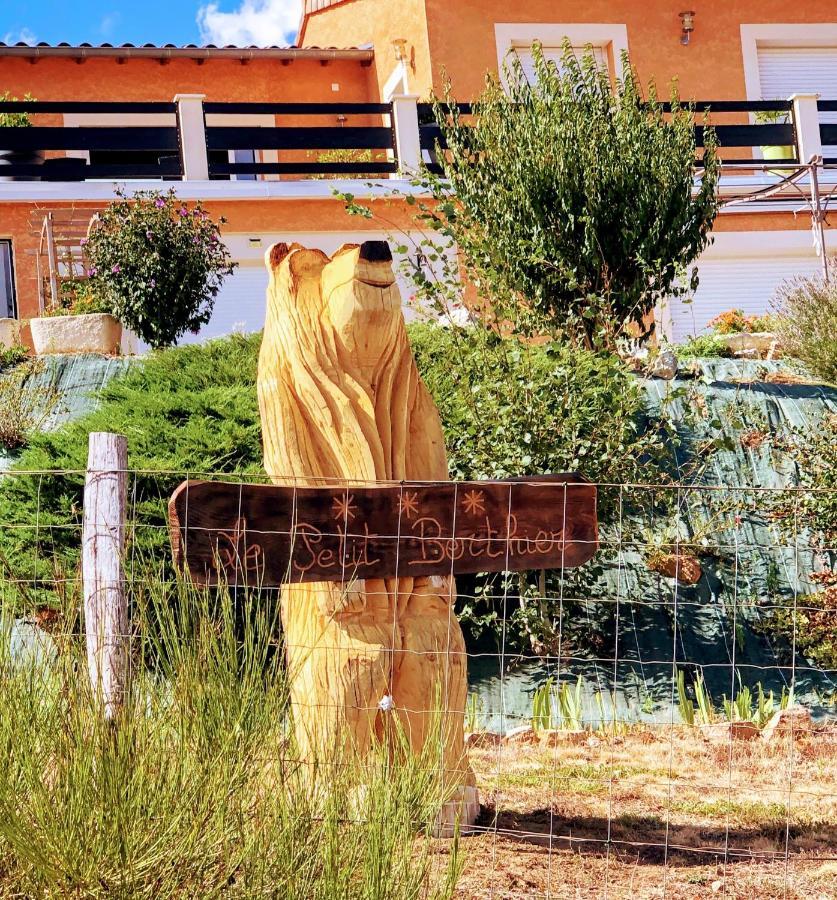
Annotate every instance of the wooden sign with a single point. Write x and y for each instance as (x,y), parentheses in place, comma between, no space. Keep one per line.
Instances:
(266,535)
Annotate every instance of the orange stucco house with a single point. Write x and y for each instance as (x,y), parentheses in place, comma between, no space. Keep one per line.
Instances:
(261,133)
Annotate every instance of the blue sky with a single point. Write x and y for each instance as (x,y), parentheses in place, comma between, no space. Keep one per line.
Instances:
(149,21)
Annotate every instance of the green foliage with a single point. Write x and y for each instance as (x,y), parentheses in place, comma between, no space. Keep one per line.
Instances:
(12,356)
(703,713)
(807,323)
(814,508)
(158,264)
(196,790)
(560,707)
(14,120)
(745,705)
(808,623)
(704,346)
(570,200)
(513,408)
(78,297)
(189,410)
(24,405)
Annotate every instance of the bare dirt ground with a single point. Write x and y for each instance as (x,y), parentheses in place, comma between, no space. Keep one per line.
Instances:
(656,814)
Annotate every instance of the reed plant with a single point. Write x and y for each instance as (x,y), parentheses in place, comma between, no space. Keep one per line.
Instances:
(196,790)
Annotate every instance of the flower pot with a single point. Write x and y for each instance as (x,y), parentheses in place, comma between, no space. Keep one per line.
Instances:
(778,152)
(20,158)
(92,333)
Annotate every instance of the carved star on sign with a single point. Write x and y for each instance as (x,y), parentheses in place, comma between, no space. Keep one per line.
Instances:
(473,502)
(408,504)
(344,507)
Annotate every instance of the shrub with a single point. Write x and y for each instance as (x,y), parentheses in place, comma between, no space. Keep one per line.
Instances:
(158,264)
(807,322)
(704,346)
(571,202)
(512,408)
(195,791)
(24,405)
(191,409)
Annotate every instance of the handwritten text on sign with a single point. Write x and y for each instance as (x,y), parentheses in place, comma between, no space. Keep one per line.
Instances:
(268,535)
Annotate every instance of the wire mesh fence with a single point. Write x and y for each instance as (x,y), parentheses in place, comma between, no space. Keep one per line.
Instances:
(659,721)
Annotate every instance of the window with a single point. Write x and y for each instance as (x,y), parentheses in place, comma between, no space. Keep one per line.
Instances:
(608,42)
(8,307)
(555,55)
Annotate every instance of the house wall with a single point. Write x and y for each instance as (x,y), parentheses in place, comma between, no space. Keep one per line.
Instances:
(260,80)
(244,218)
(359,22)
(462,38)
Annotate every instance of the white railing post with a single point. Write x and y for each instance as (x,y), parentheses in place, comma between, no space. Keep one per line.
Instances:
(192,128)
(406,126)
(103,551)
(806,120)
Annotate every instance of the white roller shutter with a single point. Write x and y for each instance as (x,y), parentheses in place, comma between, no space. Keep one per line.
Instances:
(239,306)
(554,55)
(800,70)
(745,283)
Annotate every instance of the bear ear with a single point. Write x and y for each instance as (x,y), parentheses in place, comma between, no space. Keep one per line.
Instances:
(276,254)
(375,251)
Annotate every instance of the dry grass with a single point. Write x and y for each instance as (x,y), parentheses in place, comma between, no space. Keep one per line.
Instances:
(656,815)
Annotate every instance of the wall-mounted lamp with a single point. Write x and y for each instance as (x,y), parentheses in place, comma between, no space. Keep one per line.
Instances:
(687,20)
(400,47)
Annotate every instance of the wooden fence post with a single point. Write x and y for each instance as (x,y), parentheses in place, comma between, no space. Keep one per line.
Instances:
(103,546)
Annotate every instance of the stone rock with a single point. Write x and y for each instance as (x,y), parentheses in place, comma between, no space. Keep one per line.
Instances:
(558,737)
(525,734)
(665,365)
(481,739)
(686,569)
(794,720)
(9,332)
(91,333)
(724,732)
(752,344)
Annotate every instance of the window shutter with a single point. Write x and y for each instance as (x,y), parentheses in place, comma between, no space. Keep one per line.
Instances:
(800,70)
(554,55)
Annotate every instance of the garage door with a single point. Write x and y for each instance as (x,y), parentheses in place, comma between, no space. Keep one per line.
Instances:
(745,283)
(239,306)
(800,70)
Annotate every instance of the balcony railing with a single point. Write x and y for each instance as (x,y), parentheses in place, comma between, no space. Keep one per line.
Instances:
(192,139)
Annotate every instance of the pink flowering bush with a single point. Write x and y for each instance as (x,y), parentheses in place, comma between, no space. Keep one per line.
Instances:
(157,263)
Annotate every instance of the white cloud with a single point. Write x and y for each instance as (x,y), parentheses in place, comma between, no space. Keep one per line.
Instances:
(259,22)
(25,35)
(109,23)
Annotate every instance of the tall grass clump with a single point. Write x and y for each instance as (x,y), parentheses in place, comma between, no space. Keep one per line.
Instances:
(807,322)
(195,790)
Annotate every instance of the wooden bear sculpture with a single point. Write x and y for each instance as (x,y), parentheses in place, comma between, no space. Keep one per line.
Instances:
(342,403)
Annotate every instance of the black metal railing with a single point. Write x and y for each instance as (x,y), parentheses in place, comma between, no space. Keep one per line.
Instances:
(56,152)
(330,146)
(736,136)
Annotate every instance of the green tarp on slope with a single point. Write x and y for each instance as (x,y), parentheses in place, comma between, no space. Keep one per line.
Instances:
(712,627)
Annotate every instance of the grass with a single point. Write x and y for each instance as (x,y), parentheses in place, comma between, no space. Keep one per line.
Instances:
(196,790)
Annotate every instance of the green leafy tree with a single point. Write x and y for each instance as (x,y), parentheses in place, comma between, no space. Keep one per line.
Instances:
(158,264)
(572,199)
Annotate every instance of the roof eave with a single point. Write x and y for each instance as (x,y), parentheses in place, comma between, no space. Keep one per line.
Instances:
(203,53)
